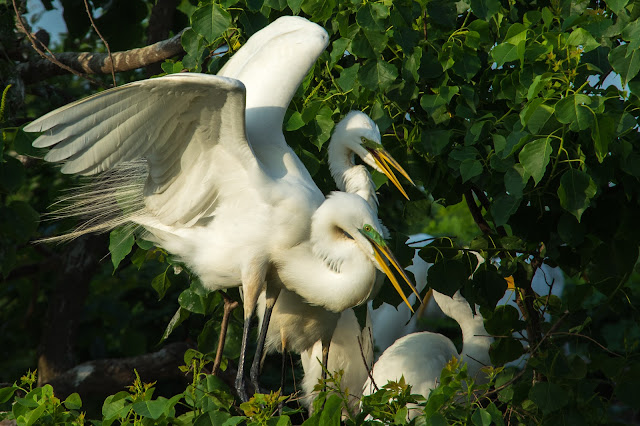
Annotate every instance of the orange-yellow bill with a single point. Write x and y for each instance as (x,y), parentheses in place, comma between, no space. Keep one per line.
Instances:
(392,277)
(383,159)
(510,284)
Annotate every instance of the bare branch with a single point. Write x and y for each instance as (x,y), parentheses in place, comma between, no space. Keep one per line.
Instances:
(476,213)
(100,63)
(37,44)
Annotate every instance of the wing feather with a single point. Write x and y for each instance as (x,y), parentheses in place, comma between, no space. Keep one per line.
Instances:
(189,127)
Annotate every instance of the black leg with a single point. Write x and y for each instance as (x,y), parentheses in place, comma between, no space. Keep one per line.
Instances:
(240,384)
(257,360)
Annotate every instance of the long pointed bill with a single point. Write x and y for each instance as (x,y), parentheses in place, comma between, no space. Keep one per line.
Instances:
(425,303)
(381,251)
(385,161)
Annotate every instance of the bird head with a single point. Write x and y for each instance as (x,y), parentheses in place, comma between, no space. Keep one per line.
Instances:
(360,135)
(352,220)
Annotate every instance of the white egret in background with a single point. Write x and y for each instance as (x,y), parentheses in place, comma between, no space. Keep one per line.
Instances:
(420,357)
(184,167)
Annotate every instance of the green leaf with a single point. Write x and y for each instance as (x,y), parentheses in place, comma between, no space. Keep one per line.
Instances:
(19,221)
(572,110)
(617,5)
(631,33)
(481,417)
(337,50)
(177,319)
(117,405)
(369,43)
(193,302)
(447,276)
(470,168)
(625,62)
(515,180)
(576,191)
(210,21)
(332,411)
(7,393)
(372,16)
(121,242)
(319,10)
(161,284)
(377,75)
(73,402)
(151,409)
(31,417)
(347,78)
(549,397)
(505,350)
(485,9)
(294,122)
(503,206)
(504,52)
(603,132)
(534,157)
(22,143)
(581,37)
(442,97)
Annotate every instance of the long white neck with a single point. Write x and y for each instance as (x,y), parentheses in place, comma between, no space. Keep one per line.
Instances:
(333,282)
(348,176)
(475,339)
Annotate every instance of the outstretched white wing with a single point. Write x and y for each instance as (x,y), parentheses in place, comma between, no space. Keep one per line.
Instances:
(189,127)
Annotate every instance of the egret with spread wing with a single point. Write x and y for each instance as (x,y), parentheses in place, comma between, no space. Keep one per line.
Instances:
(198,187)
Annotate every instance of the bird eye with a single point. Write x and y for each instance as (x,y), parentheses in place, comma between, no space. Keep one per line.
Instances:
(367,228)
(363,139)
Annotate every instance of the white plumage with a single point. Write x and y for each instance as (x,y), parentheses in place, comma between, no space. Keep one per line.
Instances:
(420,357)
(233,202)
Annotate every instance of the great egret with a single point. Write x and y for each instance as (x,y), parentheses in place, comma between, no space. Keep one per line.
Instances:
(263,64)
(351,348)
(295,324)
(201,191)
(420,357)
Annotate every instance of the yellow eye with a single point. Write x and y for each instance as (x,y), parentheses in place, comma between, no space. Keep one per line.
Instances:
(367,228)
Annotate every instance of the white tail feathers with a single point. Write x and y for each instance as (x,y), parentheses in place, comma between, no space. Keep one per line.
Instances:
(105,201)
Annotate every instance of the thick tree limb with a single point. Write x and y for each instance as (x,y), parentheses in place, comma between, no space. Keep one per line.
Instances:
(99,63)
(108,376)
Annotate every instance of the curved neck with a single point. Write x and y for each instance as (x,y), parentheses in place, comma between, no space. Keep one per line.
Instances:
(333,282)
(349,177)
(475,345)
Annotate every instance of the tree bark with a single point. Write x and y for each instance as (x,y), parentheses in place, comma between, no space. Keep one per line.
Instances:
(99,63)
(79,264)
(105,377)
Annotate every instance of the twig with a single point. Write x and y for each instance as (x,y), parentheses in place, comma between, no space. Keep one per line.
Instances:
(566,333)
(364,361)
(476,213)
(229,306)
(106,45)
(482,197)
(51,57)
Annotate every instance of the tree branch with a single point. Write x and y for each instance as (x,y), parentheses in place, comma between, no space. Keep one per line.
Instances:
(476,213)
(99,63)
(108,376)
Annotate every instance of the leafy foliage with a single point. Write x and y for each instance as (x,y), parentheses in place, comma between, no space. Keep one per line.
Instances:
(506,107)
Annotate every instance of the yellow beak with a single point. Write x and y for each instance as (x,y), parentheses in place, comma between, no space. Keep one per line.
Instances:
(385,161)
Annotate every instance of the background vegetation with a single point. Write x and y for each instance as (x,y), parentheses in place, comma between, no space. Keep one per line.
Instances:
(501,109)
